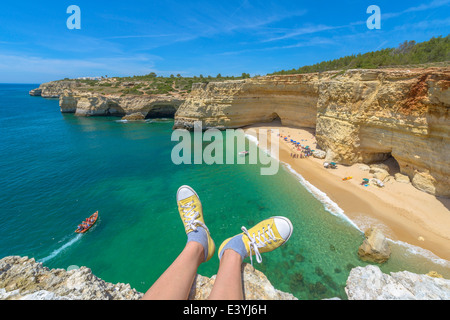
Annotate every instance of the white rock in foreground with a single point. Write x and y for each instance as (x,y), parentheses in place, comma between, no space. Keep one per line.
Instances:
(369,283)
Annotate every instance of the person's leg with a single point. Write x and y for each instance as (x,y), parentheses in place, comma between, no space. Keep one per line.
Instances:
(176,282)
(266,236)
(228,283)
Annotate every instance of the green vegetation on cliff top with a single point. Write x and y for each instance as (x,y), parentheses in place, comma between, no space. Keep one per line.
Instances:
(150,84)
(408,53)
(434,52)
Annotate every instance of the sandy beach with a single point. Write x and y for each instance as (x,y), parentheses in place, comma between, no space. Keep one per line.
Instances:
(401,211)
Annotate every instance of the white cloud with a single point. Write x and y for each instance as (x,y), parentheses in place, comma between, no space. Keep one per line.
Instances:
(434,4)
(12,66)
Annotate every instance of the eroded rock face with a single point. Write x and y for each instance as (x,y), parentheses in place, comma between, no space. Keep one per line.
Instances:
(367,116)
(360,116)
(96,104)
(233,104)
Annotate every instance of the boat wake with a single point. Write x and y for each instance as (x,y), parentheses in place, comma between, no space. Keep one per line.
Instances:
(60,249)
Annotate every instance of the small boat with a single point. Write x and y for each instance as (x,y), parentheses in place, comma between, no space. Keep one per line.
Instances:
(94,218)
(243,153)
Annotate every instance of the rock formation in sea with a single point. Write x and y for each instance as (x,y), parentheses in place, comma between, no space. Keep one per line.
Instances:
(85,100)
(22,278)
(96,104)
(375,247)
(359,116)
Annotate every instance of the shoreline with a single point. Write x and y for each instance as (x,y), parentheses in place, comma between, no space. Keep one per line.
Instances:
(404,213)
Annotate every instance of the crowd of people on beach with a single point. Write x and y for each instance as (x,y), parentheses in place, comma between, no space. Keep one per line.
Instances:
(300,151)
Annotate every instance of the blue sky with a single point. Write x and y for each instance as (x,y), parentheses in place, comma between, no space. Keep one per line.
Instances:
(120,38)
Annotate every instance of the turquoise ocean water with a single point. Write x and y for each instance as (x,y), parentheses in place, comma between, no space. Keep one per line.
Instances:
(55,170)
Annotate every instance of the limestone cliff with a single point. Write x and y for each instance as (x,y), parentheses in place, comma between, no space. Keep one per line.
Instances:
(103,100)
(233,104)
(359,115)
(96,104)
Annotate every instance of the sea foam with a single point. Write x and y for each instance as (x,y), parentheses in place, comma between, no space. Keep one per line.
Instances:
(328,204)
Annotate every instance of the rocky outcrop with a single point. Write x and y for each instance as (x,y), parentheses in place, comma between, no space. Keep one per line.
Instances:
(86,100)
(256,286)
(375,247)
(96,104)
(23,278)
(36,92)
(54,89)
(369,283)
(360,116)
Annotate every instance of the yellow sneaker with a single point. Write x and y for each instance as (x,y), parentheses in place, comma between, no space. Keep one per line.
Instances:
(191,213)
(266,236)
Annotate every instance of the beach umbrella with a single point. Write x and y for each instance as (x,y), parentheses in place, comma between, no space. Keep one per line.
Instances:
(365,179)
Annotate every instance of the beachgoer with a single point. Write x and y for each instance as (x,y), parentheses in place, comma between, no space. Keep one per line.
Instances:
(85,224)
(176,282)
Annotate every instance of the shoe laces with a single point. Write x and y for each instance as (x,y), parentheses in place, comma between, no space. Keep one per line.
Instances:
(190,216)
(259,241)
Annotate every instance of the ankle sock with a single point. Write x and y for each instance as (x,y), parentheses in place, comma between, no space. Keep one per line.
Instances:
(201,237)
(237,245)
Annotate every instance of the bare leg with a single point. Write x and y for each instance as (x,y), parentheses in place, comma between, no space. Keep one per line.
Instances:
(176,282)
(228,284)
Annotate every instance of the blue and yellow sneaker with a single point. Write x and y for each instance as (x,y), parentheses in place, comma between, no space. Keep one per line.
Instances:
(191,213)
(266,236)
